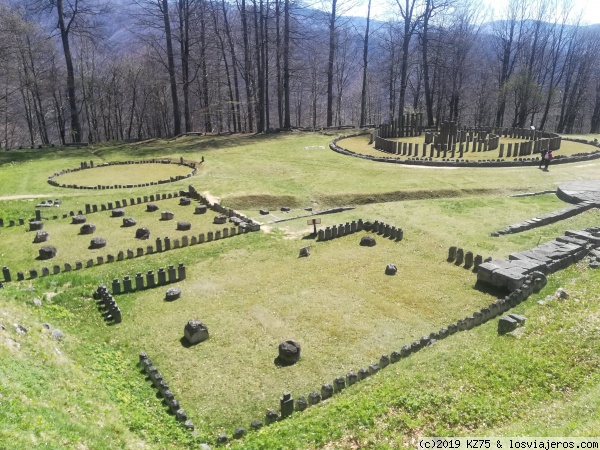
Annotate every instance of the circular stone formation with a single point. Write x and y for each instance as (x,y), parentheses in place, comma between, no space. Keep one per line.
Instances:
(127,174)
(195,332)
(129,222)
(289,352)
(97,242)
(118,212)
(151,207)
(367,241)
(142,233)
(78,219)
(47,252)
(579,191)
(184,226)
(173,294)
(88,228)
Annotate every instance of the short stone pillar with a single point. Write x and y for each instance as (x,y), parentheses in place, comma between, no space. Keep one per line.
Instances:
(286,403)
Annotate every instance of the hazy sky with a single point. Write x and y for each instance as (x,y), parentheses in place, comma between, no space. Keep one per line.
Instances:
(590,8)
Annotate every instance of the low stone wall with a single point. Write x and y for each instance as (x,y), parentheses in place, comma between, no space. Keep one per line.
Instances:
(112,312)
(164,391)
(85,166)
(337,231)
(547,219)
(136,284)
(546,258)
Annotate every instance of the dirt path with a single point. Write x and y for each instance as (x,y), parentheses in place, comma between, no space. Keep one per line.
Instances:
(32,196)
(211,198)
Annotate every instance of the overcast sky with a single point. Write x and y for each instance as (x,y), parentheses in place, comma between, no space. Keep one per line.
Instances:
(590,9)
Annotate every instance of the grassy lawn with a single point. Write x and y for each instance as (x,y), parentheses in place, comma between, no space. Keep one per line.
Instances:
(252,291)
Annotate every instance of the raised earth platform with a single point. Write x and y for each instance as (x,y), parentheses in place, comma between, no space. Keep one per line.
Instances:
(579,191)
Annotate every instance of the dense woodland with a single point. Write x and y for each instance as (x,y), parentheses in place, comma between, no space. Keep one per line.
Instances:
(102,70)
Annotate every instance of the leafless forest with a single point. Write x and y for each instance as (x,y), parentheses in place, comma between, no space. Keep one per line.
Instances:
(102,70)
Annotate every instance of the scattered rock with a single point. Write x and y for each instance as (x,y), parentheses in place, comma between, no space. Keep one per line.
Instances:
(285,209)
(88,228)
(391,269)
(264,212)
(367,241)
(195,332)
(561,294)
(118,212)
(220,219)
(167,215)
(78,219)
(173,294)
(47,326)
(129,222)
(185,201)
(142,233)
(151,207)
(184,226)
(47,252)
(19,329)
(57,334)
(97,242)
(37,302)
(507,324)
(289,352)
(41,236)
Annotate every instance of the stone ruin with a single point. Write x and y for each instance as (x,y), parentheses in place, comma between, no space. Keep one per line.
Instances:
(289,352)
(195,332)
(47,252)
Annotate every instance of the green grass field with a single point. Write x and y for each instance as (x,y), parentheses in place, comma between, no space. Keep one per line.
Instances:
(252,291)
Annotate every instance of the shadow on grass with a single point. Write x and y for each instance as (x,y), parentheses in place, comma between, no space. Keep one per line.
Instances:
(281,363)
(485,288)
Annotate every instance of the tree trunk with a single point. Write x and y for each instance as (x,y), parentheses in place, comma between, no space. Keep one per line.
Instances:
(286,64)
(64,36)
(171,67)
(363,96)
(330,63)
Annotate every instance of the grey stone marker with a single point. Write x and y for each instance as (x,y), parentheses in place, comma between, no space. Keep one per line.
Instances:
(89,263)
(339,384)
(140,251)
(313,398)
(286,403)
(68,267)
(116,286)
(150,283)
(172,274)
(460,256)
(301,404)
(351,378)
(180,272)
(126,284)
(100,260)
(162,276)
(326,391)
(271,417)
(130,254)
(167,243)
(452,254)
(468,260)
(139,282)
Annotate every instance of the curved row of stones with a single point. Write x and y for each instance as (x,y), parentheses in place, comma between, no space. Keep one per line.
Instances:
(546,219)
(164,391)
(534,283)
(383,229)
(84,166)
(447,162)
